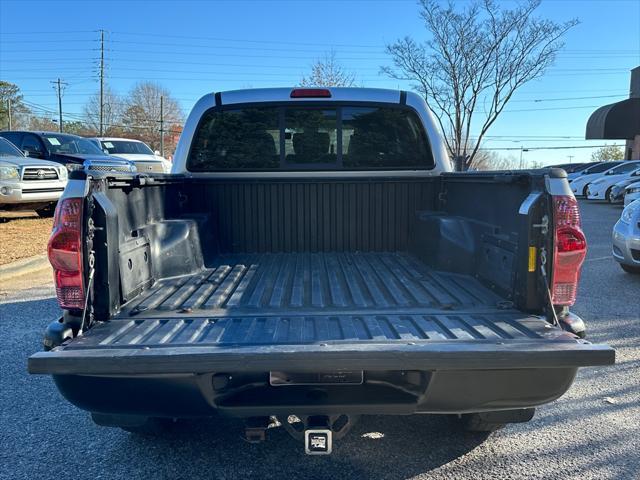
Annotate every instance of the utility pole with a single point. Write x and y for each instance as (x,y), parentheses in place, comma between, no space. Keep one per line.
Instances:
(161,126)
(570,158)
(59,86)
(9,112)
(522,150)
(101,82)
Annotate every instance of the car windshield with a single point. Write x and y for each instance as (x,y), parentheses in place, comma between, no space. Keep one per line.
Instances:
(8,149)
(125,147)
(70,144)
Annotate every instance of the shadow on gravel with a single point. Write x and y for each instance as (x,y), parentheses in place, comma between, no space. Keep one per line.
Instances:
(408,446)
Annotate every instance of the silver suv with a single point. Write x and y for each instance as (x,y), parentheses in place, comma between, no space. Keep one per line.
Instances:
(29,183)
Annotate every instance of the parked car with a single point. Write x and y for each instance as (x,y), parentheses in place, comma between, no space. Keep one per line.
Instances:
(572,167)
(600,188)
(29,183)
(136,151)
(579,183)
(316,262)
(70,150)
(626,238)
(578,172)
(632,192)
(619,190)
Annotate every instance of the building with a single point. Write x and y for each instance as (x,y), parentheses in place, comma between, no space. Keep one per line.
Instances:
(620,120)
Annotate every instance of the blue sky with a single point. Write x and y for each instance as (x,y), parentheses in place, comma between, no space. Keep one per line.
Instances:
(195,47)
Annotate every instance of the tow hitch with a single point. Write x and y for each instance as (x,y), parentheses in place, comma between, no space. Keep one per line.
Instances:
(317,431)
(318,441)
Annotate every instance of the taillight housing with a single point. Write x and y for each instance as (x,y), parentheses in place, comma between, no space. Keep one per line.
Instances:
(65,253)
(569,250)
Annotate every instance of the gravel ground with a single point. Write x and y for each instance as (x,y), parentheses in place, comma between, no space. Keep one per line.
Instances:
(22,235)
(593,432)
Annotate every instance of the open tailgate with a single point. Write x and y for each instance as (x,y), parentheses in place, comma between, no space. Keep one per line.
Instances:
(170,345)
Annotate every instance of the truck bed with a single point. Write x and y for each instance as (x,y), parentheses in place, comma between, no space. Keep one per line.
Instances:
(355,310)
(311,283)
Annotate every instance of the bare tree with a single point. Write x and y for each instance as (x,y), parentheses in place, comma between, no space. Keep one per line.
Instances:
(40,123)
(327,72)
(112,111)
(491,160)
(474,62)
(142,114)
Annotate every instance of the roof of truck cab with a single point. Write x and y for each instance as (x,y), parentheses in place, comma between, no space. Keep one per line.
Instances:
(261,95)
(340,95)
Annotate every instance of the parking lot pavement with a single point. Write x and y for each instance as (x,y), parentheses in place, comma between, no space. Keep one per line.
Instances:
(591,432)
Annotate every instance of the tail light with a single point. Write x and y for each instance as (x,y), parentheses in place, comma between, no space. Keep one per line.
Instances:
(569,251)
(65,253)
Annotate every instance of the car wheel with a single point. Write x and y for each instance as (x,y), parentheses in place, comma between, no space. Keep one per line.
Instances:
(608,196)
(585,191)
(46,212)
(630,269)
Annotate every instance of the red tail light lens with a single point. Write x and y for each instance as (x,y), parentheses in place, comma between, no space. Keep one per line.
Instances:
(310,93)
(65,253)
(570,250)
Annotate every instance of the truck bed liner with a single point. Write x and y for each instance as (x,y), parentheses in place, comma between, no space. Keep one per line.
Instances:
(306,311)
(299,282)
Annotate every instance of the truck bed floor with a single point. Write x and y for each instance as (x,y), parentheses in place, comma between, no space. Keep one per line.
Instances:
(309,282)
(307,298)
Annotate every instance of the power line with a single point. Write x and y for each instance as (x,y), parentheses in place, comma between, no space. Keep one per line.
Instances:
(40,32)
(286,42)
(555,147)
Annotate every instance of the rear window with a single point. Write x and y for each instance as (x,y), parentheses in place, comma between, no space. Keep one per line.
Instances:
(295,137)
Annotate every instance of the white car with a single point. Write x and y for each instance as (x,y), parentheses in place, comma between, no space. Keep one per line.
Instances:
(600,188)
(579,183)
(626,238)
(578,169)
(632,192)
(145,159)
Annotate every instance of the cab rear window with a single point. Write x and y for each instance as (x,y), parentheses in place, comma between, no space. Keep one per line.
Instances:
(310,137)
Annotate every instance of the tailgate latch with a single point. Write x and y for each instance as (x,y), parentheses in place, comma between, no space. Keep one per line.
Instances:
(544,226)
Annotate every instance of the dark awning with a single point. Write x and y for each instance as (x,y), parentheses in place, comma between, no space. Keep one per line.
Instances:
(618,121)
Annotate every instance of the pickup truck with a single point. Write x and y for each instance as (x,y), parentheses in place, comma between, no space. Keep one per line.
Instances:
(311,259)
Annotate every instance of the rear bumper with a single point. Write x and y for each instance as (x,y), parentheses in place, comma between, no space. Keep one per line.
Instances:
(249,394)
(399,378)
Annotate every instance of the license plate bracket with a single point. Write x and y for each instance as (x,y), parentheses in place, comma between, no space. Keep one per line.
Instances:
(343,377)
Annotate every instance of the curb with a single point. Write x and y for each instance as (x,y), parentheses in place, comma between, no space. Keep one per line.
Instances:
(24,266)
